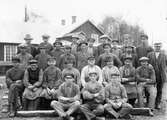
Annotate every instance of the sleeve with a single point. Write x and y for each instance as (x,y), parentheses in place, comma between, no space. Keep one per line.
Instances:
(39,82)
(98,62)
(83,72)
(59,78)
(123,94)
(8,79)
(26,79)
(44,84)
(138,77)
(104,75)
(78,78)
(75,63)
(85,92)
(100,75)
(60,64)
(77,96)
(107,94)
(101,96)
(153,77)
(117,61)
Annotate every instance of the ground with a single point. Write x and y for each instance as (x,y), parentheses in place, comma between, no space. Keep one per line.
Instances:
(159,115)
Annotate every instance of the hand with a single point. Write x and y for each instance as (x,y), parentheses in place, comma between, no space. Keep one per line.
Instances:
(35,89)
(30,87)
(49,91)
(18,81)
(52,91)
(116,105)
(96,95)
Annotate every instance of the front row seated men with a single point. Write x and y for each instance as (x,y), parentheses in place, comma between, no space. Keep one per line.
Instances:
(68,98)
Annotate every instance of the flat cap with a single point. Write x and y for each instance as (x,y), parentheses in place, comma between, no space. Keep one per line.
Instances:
(51,58)
(104,36)
(91,57)
(22,46)
(33,61)
(144,35)
(91,39)
(28,37)
(115,40)
(106,44)
(143,59)
(92,72)
(83,42)
(127,58)
(57,43)
(158,44)
(69,75)
(114,74)
(45,36)
(108,59)
(67,47)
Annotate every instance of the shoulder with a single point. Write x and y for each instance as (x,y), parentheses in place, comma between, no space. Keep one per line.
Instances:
(9,71)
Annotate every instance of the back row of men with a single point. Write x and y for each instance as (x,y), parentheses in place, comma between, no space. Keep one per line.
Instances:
(139,70)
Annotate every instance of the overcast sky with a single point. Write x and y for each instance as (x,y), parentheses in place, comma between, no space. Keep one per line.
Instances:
(149,14)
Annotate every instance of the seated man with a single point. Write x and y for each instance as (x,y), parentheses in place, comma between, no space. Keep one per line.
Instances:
(128,79)
(116,99)
(14,81)
(93,95)
(33,78)
(51,82)
(68,99)
(145,76)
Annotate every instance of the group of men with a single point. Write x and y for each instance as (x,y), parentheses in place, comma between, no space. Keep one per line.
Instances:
(82,77)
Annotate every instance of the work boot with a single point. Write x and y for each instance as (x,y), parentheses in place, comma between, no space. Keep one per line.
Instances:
(100,118)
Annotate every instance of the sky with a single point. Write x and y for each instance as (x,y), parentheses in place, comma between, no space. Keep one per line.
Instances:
(149,14)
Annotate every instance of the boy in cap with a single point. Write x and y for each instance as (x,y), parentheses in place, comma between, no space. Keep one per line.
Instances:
(115,50)
(46,44)
(51,80)
(158,60)
(65,56)
(92,50)
(14,82)
(42,58)
(24,56)
(146,81)
(108,70)
(128,79)
(101,59)
(116,99)
(88,68)
(33,78)
(93,96)
(57,51)
(72,70)
(68,98)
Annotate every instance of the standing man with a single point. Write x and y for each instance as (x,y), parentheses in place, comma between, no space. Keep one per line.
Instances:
(103,39)
(143,49)
(158,60)
(24,56)
(57,52)
(46,44)
(146,80)
(14,82)
(30,48)
(115,50)
(92,50)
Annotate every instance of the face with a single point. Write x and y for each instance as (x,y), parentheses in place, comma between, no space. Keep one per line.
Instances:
(115,79)
(34,66)
(128,62)
(90,43)
(23,50)
(42,50)
(128,49)
(69,80)
(144,40)
(45,39)
(57,46)
(83,46)
(69,65)
(144,63)
(93,77)
(16,63)
(104,40)
(110,63)
(28,41)
(126,38)
(157,48)
(107,48)
(52,62)
(114,43)
(91,61)
(67,50)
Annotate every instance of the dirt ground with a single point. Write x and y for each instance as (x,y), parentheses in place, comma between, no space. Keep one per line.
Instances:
(159,115)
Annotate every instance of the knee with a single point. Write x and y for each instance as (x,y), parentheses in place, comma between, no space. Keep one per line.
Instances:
(127,106)
(153,93)
(106,106)
(100,109)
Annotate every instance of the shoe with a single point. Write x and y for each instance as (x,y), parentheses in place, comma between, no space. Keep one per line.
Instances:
(128,117)
(151,113)
(100,118)
(158,107)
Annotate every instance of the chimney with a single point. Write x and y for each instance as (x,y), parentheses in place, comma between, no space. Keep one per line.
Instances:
(63,22)
(74,19)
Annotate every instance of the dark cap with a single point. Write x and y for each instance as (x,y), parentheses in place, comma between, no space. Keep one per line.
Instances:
(108,59)
(68,75)
(45,36)
(143,59)
(115,40)
(57,43)
(42,47)
(67,47)
(51,58)
(28,37)
(33,61)
(91,57)
(128,58)
(23,46)
(106,44)
(129,46)
(82,42)
(144,35)
(15,59)
(115,74)
(92,72)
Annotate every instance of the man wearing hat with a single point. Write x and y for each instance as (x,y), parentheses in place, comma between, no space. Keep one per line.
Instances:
(42,58)
(52,79)
(69,63)
(143,49)
(46,44)
(66,55)
(103,39)
(129,52)
(33,78)
(88,68)
(92,50)
(68,98)
(74,45)
(30,48)
(14,82)
(116,99)
(24,56)
(108,70)
(128,79)
(158,60)
(145,76)
(82,55)
(115,50)
(57,51)
(101,59)
(93,96)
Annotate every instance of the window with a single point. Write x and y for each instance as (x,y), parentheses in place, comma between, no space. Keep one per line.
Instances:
(9,51)
(95,36)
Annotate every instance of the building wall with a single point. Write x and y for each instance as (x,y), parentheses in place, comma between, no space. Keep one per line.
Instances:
(1,52)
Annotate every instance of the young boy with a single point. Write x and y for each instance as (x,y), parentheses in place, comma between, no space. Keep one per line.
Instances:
(68,99)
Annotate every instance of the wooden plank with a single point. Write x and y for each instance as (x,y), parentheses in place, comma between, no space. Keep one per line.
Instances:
(141,111)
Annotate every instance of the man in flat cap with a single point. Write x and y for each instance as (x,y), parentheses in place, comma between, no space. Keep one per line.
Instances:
(116,99)
(115,50)
(90,67)
(57,51)
(93,96)
(128,76)
(46,43)
(24,56)
(146,80)
(158,60)
(103,39)
(68,98)
(143,49)
(42,58)
(33,79)
(14,82)
(30,48)
(66,55)
(92,50)
(101,59)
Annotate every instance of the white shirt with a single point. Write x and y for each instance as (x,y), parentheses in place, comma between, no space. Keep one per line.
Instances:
(157,54)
